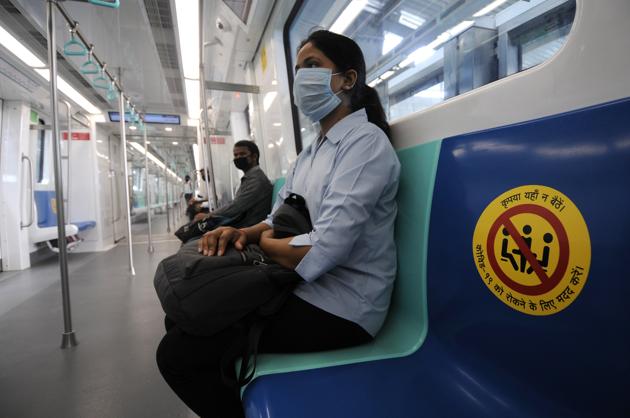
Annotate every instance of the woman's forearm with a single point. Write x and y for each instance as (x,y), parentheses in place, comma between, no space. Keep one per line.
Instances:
(253,232)
(280,251)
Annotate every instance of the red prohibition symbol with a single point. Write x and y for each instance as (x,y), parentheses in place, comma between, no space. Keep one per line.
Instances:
(547,282)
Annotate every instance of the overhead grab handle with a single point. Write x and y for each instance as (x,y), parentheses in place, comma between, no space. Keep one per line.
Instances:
(89,66)
(112,94)
(73,47)
(114,4)
(101,82)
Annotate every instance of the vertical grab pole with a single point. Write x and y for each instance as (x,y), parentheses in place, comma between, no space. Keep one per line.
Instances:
(168,217)
(146,182)
(205,161)
(123,139)
(68,338)
(68,148)
(204,112)
(174,197)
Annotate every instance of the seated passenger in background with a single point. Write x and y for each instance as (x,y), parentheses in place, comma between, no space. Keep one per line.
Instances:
(252,201)
(349,179)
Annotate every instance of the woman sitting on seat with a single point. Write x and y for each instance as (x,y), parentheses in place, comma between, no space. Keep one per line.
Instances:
(349,178)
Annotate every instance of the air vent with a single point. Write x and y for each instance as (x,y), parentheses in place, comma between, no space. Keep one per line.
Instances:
(159,13)
(174,85)
(240,8)
(161,21)
(9,7)
(168,55)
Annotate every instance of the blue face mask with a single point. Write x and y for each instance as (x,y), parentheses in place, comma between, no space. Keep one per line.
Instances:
(312,92)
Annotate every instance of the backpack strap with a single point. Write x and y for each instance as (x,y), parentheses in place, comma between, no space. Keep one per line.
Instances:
(251,353)
(248,351)
(253,326)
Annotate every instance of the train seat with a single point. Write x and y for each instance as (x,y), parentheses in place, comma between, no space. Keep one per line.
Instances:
(46,228)
(83,225)
(47,216)
(406,325)
(481,356)
(41,233)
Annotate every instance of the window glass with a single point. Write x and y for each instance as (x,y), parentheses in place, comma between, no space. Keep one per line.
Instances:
(421,52)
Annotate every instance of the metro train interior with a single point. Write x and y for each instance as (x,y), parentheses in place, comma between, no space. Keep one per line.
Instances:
(506,115)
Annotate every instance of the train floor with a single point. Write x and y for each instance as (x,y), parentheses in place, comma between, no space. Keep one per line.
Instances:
(118,323)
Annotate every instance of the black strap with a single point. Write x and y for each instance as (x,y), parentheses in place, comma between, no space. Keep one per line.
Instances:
(248,351)
(251,353)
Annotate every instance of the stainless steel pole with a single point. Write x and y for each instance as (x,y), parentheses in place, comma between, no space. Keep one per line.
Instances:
(123,139)
(204,111)
(175,201)
(68,148)
(205,161)
(68,338)
(146,183)
(168,218)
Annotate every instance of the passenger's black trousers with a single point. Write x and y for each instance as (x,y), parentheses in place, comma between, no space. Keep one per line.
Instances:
(191,364)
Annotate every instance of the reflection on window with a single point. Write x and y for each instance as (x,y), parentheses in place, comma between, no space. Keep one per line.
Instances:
(539,39)
(421,100)
(421,52)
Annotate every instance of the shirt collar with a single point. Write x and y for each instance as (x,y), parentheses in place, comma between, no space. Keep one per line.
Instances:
(345,125)
(251,170)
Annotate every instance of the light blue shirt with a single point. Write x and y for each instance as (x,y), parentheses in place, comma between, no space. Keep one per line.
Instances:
(349,181)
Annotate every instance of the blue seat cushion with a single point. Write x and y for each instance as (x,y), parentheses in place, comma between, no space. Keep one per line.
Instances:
(83,225)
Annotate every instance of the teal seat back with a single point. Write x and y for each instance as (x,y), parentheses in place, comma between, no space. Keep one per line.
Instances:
(277,185)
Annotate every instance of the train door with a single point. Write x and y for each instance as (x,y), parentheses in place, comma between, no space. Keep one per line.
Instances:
(117,187)
(16,214)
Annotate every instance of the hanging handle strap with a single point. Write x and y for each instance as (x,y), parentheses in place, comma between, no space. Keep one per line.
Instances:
(89,66)
(101,82)
(114,4)
(74,47)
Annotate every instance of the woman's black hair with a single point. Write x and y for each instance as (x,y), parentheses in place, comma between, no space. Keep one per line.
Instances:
(251,146)
(187,177)
(347,55)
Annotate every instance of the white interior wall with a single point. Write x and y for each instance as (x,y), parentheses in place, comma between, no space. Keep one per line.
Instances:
(14,199)
(81,185)
(276,140)
(103,188)
(222,166)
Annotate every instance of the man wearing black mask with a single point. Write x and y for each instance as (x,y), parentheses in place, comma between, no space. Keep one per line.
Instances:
(252,202)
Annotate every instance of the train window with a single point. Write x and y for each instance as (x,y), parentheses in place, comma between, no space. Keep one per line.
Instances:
(539,39)
(421,52)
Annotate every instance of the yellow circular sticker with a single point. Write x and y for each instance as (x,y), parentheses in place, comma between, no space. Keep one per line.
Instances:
(532,249)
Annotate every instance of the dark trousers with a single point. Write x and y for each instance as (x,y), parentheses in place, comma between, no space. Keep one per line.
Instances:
(191,364)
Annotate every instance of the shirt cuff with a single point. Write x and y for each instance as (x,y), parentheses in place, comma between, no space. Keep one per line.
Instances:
(315,263)
(268,221)
(301,240)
